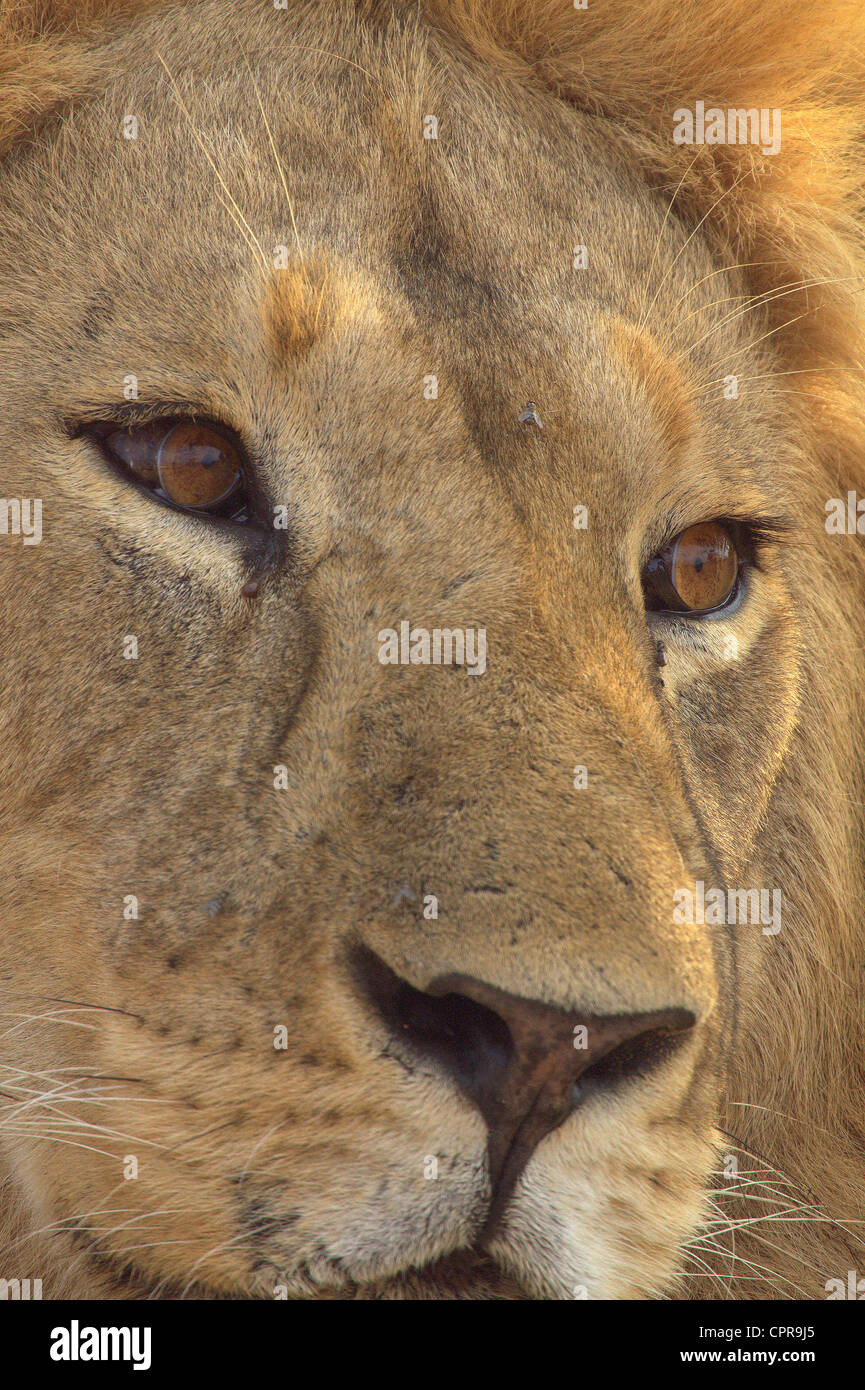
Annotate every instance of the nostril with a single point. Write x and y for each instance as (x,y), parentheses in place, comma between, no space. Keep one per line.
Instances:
(466,1039)
(638,1055)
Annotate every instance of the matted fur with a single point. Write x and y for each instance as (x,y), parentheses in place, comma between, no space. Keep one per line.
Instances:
(791,1097)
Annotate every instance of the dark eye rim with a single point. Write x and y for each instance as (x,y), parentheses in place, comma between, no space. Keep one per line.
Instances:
(251,511)
(751,537)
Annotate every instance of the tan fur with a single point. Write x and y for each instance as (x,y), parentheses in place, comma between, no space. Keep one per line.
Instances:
(304,1168)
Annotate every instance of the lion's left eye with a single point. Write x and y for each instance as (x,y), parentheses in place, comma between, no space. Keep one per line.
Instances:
(696,573)
(196,467)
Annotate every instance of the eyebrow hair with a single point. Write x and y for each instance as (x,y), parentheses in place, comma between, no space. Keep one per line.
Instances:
(137,412)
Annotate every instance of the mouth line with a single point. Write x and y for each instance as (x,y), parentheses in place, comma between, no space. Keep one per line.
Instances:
(471,1264)
(465,1273)
(507,1161)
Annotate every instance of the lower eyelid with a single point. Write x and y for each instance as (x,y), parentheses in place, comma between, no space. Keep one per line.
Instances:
(725,612)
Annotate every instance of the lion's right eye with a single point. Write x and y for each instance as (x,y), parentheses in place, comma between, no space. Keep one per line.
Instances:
(696,573)
(196,467)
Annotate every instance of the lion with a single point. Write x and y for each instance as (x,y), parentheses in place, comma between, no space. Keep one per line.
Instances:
(432,725)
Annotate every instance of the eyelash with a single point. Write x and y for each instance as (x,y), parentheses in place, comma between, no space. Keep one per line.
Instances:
(759,535)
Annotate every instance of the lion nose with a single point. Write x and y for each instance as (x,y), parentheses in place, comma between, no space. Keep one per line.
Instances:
(524,1064)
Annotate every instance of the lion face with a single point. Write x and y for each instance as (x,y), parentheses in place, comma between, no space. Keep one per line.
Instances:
(334,963)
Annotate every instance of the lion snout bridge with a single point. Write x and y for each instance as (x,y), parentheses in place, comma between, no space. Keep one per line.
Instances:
(524,1064)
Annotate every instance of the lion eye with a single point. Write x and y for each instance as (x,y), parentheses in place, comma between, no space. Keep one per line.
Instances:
(194,466)
(696,573)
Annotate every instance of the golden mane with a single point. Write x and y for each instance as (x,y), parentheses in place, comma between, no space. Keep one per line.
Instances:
(786,217)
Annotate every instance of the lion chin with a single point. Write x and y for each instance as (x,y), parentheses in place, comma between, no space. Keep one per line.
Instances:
(432,591)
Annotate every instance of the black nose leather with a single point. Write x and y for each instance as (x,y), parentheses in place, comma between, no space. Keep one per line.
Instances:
(521,1062)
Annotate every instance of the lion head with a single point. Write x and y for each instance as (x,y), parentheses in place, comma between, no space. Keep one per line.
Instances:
(430,624)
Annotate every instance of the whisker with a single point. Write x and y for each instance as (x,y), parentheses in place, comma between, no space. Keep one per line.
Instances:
(669,209)
(702,386)
(756,301)
(231,205)
(686,244)
(277,160)
(722,270)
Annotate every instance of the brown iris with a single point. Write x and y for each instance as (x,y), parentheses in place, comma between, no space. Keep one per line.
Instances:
(195,466)
(696,573)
